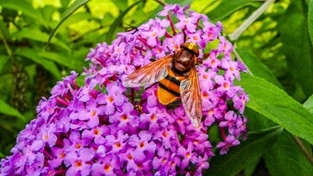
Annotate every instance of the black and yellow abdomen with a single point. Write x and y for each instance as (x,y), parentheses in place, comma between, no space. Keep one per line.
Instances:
(169,90)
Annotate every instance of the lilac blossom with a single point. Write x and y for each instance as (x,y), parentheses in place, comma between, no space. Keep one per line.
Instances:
(103,128)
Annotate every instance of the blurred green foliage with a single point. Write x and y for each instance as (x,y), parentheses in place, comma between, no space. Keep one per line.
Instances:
(276,47)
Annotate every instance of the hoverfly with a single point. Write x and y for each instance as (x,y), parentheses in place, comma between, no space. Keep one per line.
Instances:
(177,76)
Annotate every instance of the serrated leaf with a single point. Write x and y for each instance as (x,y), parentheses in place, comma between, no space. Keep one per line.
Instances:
(241,156)
(308,104)
(296,45)
(278,106)
(286,158)
(310,21)
(256,67)
(37,35)
(26,9)
(76,5)
(9,110)
(117,22)
(33,55)
(227,7)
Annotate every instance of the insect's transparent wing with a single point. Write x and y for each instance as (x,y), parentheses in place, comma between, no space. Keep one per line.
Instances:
(190,96)
(149,74)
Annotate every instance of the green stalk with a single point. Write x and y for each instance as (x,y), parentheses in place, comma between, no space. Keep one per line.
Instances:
(7,48)
(236,34)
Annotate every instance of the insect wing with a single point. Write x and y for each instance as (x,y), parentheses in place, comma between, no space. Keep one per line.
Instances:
(190,96)
(149,74)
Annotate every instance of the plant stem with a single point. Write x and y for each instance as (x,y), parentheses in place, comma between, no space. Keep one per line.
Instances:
(239,58)
(235,35)
(6,46)
(303,148)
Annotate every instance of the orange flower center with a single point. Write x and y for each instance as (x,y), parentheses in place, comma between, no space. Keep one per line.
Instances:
(142,144)
(110,99)
(188,155)
(96,131)
(205,94)
(213,62)
(210,111)
(62,155)
(164,160)
(118,145)
(153,117)
(93,113)
(165,134)
(124,117)
(129,156)
(225,85)
(107,167)
(78,146)
(78,163)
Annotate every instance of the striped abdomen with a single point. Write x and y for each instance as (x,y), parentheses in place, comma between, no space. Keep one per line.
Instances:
(169,90)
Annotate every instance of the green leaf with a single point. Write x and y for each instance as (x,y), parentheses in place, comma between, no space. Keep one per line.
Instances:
(60,58)
(4,31)
(275,104)
(227,7)
(286,158)
(26,9)
(79,16)
(117,22)
(76,5)
(75,61)
(308,104)
(257,121)
(9,110)
(3,60)
(37,35)
(296,45)
(33,55)
(256,67)
(80,80)
(120,4)
(310,21)
(180,2)
(241,156)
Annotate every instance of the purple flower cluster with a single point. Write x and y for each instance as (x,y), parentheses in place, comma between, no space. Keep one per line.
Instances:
(103,128)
